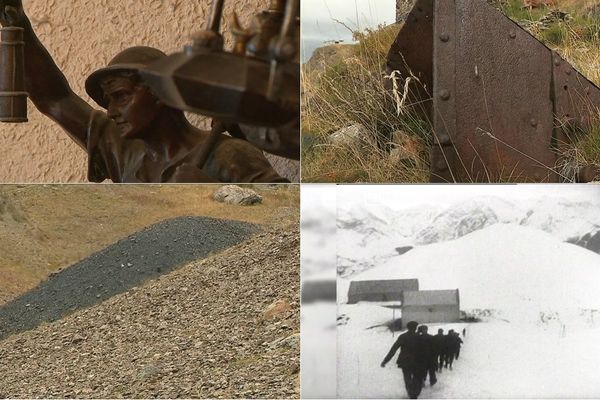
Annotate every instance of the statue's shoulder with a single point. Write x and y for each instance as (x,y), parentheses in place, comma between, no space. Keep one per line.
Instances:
(239,146)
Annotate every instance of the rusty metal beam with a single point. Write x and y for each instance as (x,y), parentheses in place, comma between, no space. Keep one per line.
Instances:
(503,103)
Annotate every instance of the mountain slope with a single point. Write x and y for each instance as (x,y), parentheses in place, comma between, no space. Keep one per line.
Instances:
(505,267)
(129,262)
(47,227)
(368,235)
(201,331)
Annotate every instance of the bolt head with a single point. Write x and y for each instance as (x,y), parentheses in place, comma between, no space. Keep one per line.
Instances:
(444,94)
(533,122)
(443,138)
(441,164)
(513,34)
(444,37)
(557,61)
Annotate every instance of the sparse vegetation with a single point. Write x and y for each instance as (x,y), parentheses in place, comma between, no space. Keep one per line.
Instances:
(395,145)
(351,91)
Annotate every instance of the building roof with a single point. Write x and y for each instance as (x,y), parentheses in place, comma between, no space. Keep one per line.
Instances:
(430,298)
(383,286)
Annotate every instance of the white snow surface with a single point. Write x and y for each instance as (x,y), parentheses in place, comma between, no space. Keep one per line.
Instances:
(506,267)
(498,360)
(539,340)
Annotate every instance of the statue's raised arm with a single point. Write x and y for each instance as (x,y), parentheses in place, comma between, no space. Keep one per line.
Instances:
(47,86)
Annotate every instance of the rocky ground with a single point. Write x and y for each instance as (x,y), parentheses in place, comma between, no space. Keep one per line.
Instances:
(127,263)
(225,326)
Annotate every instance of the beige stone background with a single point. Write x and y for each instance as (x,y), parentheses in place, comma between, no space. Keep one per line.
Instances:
(82,36)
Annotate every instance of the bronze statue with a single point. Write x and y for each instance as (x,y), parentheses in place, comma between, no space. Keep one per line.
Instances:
(139,138)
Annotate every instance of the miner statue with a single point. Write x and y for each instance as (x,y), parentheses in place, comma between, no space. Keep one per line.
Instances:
(136,138)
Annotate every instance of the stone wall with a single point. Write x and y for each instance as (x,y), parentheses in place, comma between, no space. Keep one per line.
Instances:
(82,36)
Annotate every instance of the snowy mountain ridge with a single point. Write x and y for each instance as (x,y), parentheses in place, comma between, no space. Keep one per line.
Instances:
(369,234)
(505,267)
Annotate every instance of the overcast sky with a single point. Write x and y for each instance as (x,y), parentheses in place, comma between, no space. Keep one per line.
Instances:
(319,26)
(408,196)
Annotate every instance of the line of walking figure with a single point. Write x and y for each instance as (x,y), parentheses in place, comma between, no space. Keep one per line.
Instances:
(422,354)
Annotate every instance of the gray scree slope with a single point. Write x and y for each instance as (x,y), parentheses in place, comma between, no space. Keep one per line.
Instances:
(129,262)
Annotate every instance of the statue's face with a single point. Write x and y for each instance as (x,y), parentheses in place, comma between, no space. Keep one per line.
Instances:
(130,104)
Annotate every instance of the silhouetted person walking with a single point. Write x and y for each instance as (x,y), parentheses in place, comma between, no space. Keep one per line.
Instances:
(450,346)
(465,332)
(439,342)
(428,355)
(408,360)
(456,344)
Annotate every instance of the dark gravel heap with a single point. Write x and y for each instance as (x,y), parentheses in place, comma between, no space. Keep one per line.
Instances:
(129,262)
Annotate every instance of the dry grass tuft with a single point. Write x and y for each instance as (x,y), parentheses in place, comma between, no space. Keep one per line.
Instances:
(352,91)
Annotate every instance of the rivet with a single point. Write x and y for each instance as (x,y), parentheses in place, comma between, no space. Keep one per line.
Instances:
(557,61)
(568,72)
(444,94)
(444,37)
(441,164)
(443,138)
(533,122)
(513,34)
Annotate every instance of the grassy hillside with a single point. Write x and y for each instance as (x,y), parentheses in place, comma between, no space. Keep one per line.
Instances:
(44,228)
(349,90)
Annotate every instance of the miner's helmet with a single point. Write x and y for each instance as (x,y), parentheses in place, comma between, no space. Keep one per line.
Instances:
(130,60)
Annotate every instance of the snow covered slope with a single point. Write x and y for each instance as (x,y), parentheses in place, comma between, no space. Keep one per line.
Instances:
(505,267)
(368,235)
(539,341)
(430,224)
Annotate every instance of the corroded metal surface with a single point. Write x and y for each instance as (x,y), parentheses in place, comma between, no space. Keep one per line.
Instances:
(502,108)
(503,102)
(576,99)
(410,53)
(443,154)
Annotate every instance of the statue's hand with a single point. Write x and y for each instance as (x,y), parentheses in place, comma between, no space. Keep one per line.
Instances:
(11,13)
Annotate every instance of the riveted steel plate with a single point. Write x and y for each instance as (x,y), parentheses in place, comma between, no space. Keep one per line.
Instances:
(576,100)
(444,157)
(503,103)
(503,112)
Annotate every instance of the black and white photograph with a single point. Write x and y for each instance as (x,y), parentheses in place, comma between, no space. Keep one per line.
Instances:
(468,291)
